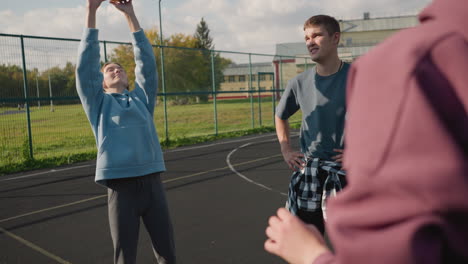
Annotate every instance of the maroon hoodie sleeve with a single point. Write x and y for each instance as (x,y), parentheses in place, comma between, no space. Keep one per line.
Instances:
(406,199)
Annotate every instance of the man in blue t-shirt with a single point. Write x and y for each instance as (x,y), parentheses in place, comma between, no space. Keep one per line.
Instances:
(320,94)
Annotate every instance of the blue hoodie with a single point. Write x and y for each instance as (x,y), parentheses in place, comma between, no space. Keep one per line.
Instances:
(128,145)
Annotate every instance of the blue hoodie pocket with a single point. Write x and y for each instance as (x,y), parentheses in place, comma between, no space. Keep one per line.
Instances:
(127,147)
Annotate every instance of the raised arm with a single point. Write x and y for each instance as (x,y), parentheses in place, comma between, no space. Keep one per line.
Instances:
(91,9)
(127,10)
(146,81)
(88,76)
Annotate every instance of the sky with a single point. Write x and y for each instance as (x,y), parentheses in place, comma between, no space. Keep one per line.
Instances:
(254,26)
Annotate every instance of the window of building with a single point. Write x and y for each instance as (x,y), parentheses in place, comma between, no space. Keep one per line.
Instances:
(262,77)
(231,79)
(242,78)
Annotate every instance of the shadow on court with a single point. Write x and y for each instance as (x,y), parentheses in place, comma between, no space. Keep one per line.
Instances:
(220,196)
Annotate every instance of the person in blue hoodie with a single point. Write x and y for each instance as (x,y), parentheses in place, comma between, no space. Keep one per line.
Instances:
(129,159)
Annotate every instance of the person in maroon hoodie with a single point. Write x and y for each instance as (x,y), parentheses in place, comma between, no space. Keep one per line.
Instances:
(406,156)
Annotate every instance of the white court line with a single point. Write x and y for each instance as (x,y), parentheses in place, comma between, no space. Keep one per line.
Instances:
(62,261)
(34,247)
(228,161)
(53,208)
(45,172)
(168,151)
(215,144)
(105,195)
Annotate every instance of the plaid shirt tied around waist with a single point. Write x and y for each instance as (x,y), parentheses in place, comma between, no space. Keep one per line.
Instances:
(306,190)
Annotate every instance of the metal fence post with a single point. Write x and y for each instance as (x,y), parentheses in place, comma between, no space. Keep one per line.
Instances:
(259,100)
(37,93)
(273,98)
(281,73)
(251,91)
(213,79)
(105,51)
(50,88)
(163,82)
(26,97)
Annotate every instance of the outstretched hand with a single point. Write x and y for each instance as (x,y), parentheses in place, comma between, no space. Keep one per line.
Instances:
(120,1)
(124,6)
(292,240)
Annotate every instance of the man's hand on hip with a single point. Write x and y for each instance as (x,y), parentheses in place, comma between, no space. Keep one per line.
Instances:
(338,158)
(294,159)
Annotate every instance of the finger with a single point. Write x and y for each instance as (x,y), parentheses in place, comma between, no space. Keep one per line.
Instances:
(271,246)
(273,221)
(339,160)
(291,166)
(270,233)
(288,162)
(338,150)
(339,156)
(297,163)
(298,154)
(300,159)
(300,166)
(294,165)
(283,214)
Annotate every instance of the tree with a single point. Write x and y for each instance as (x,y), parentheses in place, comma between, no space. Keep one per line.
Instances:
(205,43)
(202,34)
(11,80)
(187,65)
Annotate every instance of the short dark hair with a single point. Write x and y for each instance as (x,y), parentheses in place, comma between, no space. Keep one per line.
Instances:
(329,23)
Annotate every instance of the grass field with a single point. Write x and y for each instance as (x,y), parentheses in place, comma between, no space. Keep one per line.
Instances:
(64,136)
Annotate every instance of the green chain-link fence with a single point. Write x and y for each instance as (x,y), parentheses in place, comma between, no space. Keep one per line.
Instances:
(201,92)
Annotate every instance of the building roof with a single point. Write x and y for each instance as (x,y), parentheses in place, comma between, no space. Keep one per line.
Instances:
(243,69)
(349,53)
(290,50)
(381,23)
(298,49)
(302,56)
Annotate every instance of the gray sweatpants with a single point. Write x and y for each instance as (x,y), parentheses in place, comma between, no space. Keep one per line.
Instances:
(130,199)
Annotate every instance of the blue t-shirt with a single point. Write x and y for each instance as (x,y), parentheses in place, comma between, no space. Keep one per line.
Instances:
(322,102)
